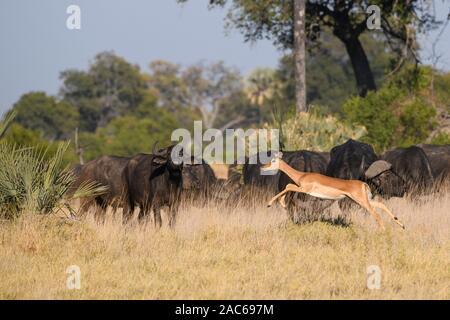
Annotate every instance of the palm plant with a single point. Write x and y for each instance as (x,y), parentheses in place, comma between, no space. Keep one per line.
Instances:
(33,181)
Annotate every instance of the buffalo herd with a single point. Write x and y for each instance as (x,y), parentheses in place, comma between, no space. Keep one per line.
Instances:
(150,182)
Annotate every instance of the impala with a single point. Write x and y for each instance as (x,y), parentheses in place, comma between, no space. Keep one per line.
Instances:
(324,187)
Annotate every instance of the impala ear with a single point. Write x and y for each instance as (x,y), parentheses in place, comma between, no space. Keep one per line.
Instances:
(377,168)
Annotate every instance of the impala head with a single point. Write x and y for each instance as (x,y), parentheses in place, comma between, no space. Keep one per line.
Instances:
(274,164)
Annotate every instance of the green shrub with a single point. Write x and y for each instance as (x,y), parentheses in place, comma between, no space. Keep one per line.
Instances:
(375,113)
(417,120)
(312,131)
(392,116)
(441,138)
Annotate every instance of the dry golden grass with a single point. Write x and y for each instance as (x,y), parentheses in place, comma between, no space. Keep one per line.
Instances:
(220,253)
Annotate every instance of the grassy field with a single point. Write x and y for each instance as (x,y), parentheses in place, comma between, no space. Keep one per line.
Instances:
(223,253)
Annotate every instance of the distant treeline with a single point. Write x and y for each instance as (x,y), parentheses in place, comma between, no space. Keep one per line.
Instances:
(120,109)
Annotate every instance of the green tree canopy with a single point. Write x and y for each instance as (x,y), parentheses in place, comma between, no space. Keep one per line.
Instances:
(129,135)
(111,87)
(273,19)
(329,74)
(55,119)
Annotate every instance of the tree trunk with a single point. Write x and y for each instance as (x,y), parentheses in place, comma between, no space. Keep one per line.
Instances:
(299,54)
(361,67)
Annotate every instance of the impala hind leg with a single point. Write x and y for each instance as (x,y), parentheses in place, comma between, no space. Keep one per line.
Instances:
(289,187)
(381,206)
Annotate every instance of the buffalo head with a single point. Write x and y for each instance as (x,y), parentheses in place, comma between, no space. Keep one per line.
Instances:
(193,174)
(165,157)
(387,182)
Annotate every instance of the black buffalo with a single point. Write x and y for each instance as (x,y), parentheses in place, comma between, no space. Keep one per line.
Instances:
(198,180)
(358,161)
(413,166)
(326,156)
(152,181)
(252,176)
(105,171)
(75,171)
(439,157)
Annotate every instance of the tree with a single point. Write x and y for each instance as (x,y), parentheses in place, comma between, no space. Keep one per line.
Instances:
(236,111)
(166,83)
(208,86)
(299,54)
(128,135)
(55,119)
(396,115)
(110,88)
(165,79)
(274,19)
(329,74)
(260,86)
(23,137)
(196,92)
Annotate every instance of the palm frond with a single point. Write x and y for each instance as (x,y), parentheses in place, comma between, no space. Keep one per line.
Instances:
(4,125)
(89,189)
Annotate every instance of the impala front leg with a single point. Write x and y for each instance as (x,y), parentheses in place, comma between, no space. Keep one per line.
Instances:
(289,187)
(381,206)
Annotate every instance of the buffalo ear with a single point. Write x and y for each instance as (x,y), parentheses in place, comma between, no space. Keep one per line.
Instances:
(377,168)
(156,151)
(192,164)
(159,160)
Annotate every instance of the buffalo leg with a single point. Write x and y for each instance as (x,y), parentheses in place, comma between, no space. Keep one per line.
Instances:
(172,216)
(100,209)
(127,210)
(157,217)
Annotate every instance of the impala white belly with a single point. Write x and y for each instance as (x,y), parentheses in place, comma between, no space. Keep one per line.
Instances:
(325,196)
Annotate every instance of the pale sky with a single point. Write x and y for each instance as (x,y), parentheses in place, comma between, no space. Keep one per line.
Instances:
(35,44)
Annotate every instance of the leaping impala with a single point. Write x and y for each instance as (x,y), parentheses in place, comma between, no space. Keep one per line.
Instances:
(324,187)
